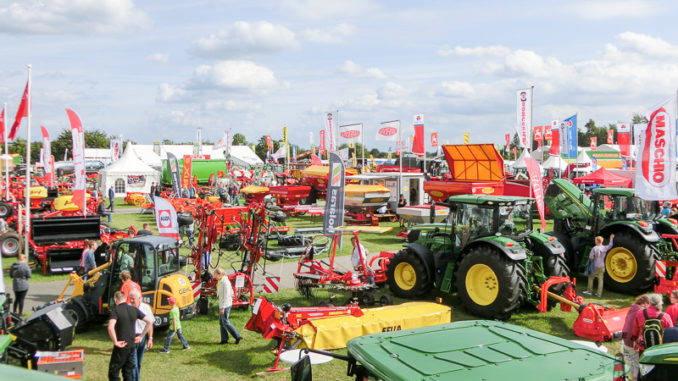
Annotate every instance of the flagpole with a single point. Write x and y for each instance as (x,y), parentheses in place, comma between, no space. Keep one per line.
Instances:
(5,166)
(28,166)
(400,159)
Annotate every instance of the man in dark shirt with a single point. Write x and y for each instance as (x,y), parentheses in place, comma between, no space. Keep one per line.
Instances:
(121,331)
(670,335)
(145,231)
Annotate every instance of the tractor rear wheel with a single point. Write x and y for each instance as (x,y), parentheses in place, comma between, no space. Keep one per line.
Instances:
(406,275)
(629,265)
(489,284)
(78,314)
(10,244)
(6,210)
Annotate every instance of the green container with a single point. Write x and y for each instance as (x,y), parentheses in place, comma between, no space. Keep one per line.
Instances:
(478,350)
(201,167)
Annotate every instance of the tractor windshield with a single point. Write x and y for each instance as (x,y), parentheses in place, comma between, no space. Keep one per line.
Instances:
(621,207)
(168,261)
(515,220)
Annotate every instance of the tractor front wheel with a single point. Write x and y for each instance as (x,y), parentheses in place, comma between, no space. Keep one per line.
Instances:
(629,265)
(6,210)
(406,275)
(78,314)
(489,284)
(10,244)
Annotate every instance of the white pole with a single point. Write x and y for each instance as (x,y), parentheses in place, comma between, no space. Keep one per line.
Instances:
(400,160)
(362,145)
(4,137)
(28,167)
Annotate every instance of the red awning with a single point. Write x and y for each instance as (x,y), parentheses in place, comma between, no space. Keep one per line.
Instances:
(605,178)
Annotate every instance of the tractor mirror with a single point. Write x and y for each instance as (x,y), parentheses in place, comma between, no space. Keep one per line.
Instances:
(301,370)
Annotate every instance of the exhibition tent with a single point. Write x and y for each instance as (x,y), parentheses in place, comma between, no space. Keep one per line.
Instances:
(127,174)
(604,177)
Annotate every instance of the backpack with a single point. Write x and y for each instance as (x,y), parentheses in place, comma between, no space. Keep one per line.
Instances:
(653,331)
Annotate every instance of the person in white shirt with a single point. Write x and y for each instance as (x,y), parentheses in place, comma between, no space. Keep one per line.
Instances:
(225,293)
(359,254)
(145,342)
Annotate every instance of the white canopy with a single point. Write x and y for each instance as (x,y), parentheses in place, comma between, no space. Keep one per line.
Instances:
(128,174)
(520,162)
(555,162)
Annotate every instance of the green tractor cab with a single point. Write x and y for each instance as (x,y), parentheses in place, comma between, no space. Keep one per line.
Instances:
(660,362)
(629,265)
(485,250)
(472,350)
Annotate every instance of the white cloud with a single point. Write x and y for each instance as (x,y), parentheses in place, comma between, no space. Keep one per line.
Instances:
(457,89)
(246,39)
(614,9)
(234,75)
(169,93)
(647,45)
(71,16)
(158,57)
(354,70)
(328,35)
(322,9)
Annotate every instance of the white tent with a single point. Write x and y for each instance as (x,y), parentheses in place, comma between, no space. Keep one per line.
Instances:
(520,162)
(555,162)
(128,174)
(245,157)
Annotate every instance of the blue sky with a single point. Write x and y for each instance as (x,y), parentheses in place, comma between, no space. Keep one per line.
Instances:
(159,69)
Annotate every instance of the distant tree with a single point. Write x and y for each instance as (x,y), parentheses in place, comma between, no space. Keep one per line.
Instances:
(260,148)
(64,142)
(639,119)
(97,139)
(239,139)
(19,147)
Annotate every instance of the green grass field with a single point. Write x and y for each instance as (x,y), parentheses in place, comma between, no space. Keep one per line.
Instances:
(206,360)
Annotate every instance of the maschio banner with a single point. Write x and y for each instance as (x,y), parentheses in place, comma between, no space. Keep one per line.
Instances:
(165,218)
(656,156)
(334,203)
(174,173)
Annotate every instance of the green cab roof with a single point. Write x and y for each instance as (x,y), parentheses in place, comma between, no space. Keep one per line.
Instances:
(661,354)
(628,192)
(478,350)
(486,199)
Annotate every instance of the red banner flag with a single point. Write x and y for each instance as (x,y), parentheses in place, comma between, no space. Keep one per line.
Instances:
(186,172)
(269,143)
(321,148)
(47,156)
(594,142)
(508,140)
(434,139)
(537,189)
(20,114)
(547,133)
(2,126)
(624,139)
(418,142)
(78,136)
(515,155)
(610,136)
(555,141)
(537,134)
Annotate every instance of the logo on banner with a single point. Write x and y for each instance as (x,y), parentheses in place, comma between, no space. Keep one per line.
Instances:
(336,175)
(655,150)
(164,219)
(523,96)
(547,133)
(350,134)
(387,131)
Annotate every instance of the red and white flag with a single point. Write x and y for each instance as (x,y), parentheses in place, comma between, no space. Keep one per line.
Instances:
(166,218)
(594,142)
(351,133)
(78,136)
(2,126)
(389,131)
(536,184)
(418,143)
(524,117)
(47,159)
(656,154)
(610,136)
(321,146)
(330,128)
(624,139)
(434,139)
(508,139)
(555,138)
(271,284)
(547,133)
(20,114)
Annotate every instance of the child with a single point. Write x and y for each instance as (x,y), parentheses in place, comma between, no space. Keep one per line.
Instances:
(597,256)
(672,310)
(175,327)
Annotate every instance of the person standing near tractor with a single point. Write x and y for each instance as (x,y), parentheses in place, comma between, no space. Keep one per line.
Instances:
(111,199)
(142,342)
(121,331)
(225,293)
(359,254)
(88,261)
(650,323)
(128,284)
(175,327)
(629,341)
(20,272)
(672,310)
(597,261)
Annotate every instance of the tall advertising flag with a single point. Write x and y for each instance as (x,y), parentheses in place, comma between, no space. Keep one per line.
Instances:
(418,145)
(321,147)
(508,139)
(569,129)
(186,172)
(284,134)
(434,139)
(555,138)
(351,133)
(656,154)
(2,126)
(547,133)
(524,117)
(166,217)
(78,136)
(269,144)
(538,136)
(594,142)
(536,184)
(610,136)
(329,127)
(466,139)
(389,131)
(334,204)
(47,156)
(174,173)
(20,113)
(624,139)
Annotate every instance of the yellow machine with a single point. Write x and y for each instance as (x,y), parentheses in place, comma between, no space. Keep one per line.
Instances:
(153,262)
(64,203)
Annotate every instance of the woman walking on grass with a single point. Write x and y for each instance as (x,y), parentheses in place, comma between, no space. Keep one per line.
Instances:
(20,272)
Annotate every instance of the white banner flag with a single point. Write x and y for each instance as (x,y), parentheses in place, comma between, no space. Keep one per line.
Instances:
(389,131)
(351,133)
(331,130)
(524,117)
(310,139)
(166,218)
(418,120)
(656,156)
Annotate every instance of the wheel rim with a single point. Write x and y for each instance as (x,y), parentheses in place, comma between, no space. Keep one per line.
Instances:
(405,276)
(482,285)
(73,314)
(621,265)
(10,246)
(3,211)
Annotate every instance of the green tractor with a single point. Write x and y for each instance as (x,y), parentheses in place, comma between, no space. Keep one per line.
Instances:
(486,250)
(630,264)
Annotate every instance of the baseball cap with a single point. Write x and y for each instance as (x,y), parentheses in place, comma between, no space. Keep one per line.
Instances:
(171,300)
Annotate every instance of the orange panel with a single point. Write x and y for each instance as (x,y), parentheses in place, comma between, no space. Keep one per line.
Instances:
(474,162)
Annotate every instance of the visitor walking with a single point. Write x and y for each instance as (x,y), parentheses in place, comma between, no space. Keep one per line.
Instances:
(20,272)
(111,199)
(121,331)
(595,268)
(175,327)
(143,342)
(225,294)
(629,341)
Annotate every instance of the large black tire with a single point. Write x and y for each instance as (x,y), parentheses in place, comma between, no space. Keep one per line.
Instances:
(489,284)
(570,255)
(10,244)
(78,314)
(406,275)
(554,265)
(201,306)
(6,209)
(629,265)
